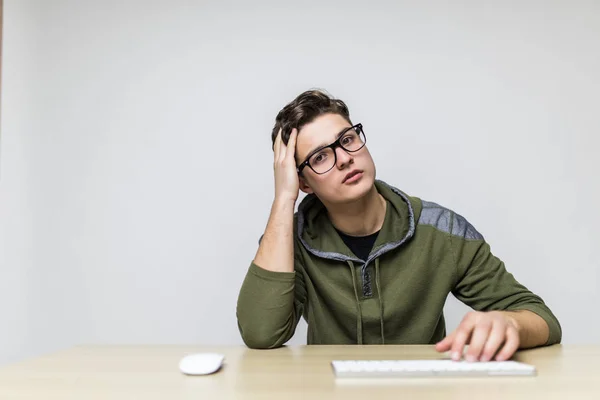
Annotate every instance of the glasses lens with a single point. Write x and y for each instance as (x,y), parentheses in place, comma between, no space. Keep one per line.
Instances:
(353,140)
(322,161)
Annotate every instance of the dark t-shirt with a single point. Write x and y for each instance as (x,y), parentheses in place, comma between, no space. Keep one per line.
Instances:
(361,246)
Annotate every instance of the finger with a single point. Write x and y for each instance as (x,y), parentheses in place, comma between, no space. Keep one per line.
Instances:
(291,146)
(496,338)
(480,335)
(510,345)
(446,343)
(276,145)
(282,147)
(463,334)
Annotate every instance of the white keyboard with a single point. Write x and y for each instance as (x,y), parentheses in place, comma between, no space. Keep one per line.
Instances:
(406,368)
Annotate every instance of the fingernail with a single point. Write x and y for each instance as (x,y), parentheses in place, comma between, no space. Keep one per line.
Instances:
(456,356)
(471,358)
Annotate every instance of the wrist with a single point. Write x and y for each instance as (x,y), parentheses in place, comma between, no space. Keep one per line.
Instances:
(284,201)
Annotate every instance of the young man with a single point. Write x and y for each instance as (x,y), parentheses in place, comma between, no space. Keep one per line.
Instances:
(365,263)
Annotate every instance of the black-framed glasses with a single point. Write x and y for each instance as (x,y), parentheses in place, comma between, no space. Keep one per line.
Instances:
(324,159)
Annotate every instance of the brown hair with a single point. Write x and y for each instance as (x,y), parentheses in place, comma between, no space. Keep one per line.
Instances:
(304,109)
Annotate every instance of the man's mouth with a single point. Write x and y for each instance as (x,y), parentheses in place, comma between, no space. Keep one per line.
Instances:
(352,176)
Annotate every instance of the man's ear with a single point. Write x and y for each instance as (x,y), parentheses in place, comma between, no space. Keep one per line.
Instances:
(304,186)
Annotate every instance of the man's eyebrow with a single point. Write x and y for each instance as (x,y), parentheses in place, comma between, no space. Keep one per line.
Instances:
(327,144)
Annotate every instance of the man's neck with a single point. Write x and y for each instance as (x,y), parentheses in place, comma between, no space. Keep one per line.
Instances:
(360,218)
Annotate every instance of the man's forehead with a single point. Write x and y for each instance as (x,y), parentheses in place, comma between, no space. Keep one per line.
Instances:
(313,136)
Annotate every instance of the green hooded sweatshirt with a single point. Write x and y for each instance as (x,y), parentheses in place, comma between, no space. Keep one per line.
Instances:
(423,252)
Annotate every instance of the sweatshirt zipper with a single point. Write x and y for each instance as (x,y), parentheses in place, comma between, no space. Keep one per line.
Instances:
(366,280)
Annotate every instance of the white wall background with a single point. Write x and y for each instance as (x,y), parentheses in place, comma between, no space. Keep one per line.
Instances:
(136,168)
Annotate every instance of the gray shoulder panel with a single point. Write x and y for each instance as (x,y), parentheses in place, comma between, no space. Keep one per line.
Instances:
(461,227)
(447,221)
(435,215)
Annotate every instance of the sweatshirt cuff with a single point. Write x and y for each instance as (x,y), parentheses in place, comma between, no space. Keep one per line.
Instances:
(271,275)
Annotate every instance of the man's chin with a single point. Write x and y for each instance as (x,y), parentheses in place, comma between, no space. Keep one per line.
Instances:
(352,192)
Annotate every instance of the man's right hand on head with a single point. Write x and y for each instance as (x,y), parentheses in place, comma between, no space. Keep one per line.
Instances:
(287,184)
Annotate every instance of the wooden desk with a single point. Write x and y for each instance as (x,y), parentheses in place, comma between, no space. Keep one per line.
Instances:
(151,372)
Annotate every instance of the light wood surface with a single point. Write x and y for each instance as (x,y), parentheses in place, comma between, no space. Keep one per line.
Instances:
(151,372)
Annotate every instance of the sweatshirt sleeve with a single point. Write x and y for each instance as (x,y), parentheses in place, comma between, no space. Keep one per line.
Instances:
(269,306)
(483,283)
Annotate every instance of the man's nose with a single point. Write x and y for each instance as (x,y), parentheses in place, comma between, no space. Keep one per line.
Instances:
(343,158)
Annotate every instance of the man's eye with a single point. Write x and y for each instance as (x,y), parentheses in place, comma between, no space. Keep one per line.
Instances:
(320,157)
(347,139)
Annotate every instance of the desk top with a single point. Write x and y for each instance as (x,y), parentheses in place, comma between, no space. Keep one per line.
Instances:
(151,372)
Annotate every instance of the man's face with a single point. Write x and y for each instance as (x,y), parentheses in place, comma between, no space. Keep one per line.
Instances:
(333,186)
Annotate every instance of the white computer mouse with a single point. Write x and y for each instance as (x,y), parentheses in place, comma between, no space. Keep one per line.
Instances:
(201,363)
